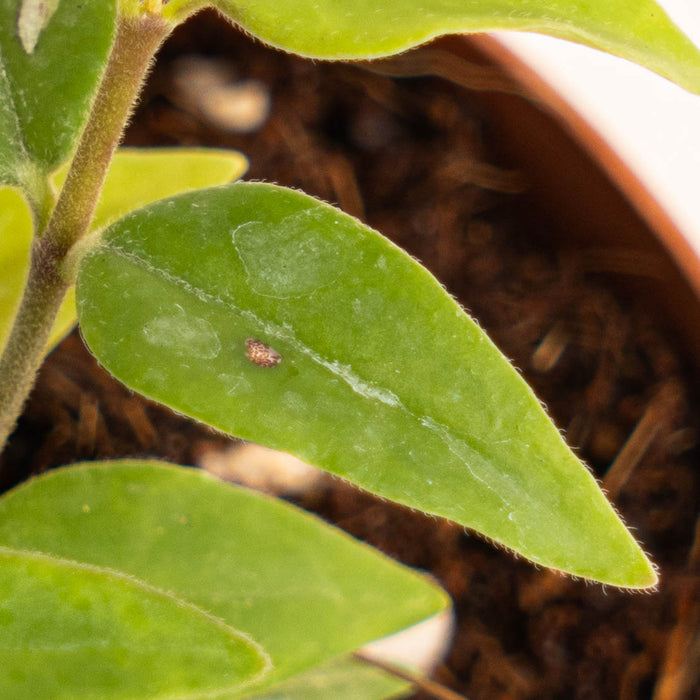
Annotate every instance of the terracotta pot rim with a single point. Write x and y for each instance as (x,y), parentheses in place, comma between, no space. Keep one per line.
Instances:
(601,151)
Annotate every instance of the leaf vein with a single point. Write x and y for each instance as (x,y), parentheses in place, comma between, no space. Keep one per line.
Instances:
(477,463)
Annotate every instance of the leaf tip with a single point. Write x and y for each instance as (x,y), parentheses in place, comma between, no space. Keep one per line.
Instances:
(634,571)
(645,576)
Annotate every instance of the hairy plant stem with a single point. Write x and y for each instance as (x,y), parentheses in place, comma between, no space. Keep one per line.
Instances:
(136,42)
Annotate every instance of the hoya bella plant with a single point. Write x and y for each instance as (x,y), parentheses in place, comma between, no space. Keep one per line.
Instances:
(273,317)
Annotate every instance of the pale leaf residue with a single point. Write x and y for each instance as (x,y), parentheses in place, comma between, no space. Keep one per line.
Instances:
(359,386)
(289,259)
(481,469)
(478,466)
(235,385)
(34,16)
(345,372)
(293,401)
(196,336)
(183,334)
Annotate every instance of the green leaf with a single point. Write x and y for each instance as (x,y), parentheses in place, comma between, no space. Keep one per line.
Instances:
(639,30)
(340,679)
(383,379)
(45,95)
(135,177)
(139,176)
(15,242)
(305,591)
(69,630)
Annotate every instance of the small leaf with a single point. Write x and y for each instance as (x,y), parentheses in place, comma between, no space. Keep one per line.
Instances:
(68,630)
(639,30)
(139,176)
(382,378)
(135,177)
(45,95)
(305,591)
(34,15)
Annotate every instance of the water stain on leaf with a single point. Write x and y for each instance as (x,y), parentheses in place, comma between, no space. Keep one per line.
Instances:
(34,16)
(283,260)
(235,385)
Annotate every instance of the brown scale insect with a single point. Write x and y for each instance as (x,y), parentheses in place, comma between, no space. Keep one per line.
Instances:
(261,354)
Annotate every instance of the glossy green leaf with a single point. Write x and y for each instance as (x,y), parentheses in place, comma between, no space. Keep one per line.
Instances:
(305,591)
(639,30)
(45,95)
(136,177)
(68,630)
(383,379)
(340,679)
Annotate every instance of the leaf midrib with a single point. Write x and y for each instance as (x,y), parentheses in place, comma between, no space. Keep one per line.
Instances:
(452,439)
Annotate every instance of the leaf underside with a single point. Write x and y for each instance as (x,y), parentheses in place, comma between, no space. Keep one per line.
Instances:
(303,590)
(638,30)
(383,379)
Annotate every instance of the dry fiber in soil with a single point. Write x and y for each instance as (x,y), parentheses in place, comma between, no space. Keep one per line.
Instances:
(411,158)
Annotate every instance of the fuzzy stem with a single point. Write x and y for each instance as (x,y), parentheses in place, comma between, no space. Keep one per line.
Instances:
(25,347)
(136,42)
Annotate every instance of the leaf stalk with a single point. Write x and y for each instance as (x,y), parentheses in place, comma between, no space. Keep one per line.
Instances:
(136,42)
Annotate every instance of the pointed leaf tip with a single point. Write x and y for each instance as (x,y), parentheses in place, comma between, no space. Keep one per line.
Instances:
(380,378)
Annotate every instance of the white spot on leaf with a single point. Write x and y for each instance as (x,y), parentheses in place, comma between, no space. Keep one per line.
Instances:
(289,259)
(183,335)
(34,16)
(234,385)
